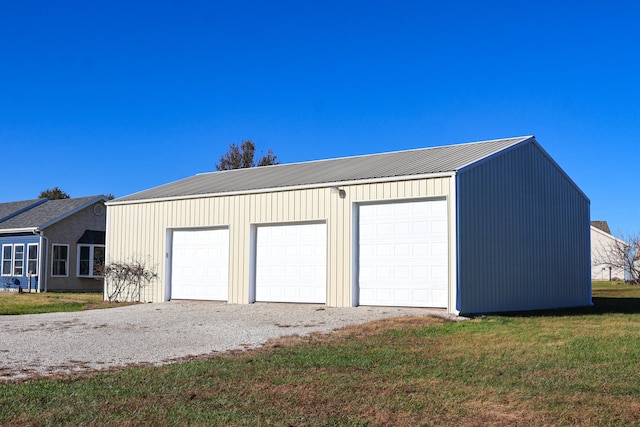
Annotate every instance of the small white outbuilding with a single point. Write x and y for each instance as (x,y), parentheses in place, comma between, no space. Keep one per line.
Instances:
(607,262)
(473,228)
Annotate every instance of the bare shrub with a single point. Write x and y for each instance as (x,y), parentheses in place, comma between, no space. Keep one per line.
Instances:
(124,280)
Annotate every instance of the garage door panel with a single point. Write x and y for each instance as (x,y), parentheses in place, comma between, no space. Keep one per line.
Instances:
(403,254)
(200,264)
(291,263)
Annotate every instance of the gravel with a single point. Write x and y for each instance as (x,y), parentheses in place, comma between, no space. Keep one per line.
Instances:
(63,343)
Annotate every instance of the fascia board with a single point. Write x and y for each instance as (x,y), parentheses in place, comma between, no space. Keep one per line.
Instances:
(18,230)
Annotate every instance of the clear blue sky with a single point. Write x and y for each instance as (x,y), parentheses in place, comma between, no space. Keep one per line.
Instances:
(117,97)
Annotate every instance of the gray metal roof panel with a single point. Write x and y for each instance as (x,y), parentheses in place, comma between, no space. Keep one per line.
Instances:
(348,169)
(46,213)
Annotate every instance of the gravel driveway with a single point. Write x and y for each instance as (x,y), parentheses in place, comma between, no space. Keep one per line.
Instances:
(54,343)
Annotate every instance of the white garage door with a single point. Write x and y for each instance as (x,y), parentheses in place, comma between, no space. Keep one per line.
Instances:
(200,264)
(403,254)
(291,263)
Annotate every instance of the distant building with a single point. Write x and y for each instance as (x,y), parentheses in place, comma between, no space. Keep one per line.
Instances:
(602,241)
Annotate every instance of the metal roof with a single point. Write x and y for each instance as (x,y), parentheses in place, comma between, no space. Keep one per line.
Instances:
(421,161)
(38,214)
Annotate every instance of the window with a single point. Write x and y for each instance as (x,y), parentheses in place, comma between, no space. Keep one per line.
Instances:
(12,260)
(90,260)
(60,260)
(18,260)
(7,258)
(32,259)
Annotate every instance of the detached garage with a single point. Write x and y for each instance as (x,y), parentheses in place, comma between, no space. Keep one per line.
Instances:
(472,228)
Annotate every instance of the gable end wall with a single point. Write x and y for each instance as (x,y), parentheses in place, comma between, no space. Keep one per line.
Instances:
(68,231)
(523,235)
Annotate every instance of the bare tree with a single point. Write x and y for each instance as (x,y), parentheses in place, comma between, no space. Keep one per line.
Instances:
(243,157)
(269,159)
(621,254)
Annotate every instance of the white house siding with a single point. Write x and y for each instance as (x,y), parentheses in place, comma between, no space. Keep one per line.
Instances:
(600,243)
(523,232)
(143,229)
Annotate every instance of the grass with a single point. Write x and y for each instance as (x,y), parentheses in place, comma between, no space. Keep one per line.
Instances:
(48,302)
(566,367)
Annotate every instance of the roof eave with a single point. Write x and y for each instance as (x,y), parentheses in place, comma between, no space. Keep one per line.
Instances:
(287,188)
(611,236)
(18,230)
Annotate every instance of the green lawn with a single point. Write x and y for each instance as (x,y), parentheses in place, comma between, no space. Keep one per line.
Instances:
(48,302)
(569,367)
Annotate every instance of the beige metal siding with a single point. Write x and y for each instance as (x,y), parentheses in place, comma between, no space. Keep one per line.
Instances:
(140,229)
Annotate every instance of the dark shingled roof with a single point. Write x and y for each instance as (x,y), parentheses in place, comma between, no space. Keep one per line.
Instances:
(11,209)
(601,225)
(421,161)
(41,213)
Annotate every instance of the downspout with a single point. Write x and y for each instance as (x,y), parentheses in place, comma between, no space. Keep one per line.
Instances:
(44,243)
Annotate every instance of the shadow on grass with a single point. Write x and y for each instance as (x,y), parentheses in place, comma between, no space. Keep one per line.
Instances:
(601,305)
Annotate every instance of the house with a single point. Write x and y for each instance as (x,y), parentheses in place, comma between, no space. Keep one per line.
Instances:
(471,228)
(603,245)
(52,245)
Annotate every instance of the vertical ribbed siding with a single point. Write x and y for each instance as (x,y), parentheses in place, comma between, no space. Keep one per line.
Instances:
(140,230)
(523,235)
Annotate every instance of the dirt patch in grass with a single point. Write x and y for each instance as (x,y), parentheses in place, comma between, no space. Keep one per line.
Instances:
(354,331)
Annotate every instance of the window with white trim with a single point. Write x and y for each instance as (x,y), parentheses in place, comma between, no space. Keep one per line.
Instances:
(32,259)
(13,260)
(7,259)
(60,260)
(18,260)
(90,260)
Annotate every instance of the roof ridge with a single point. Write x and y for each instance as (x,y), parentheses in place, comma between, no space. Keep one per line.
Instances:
(384,153)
